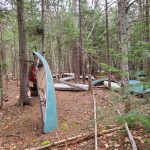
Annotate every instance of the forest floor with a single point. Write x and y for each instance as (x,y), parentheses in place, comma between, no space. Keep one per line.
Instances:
(20,128)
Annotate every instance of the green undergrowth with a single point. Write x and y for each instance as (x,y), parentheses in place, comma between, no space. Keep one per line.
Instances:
(134,119)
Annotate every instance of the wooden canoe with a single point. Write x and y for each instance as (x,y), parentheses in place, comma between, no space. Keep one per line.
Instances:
(46,94)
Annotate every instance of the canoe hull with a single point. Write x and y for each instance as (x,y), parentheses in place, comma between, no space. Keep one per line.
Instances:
(47,96)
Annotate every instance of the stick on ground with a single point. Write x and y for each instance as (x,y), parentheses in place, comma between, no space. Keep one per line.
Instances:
(76,139)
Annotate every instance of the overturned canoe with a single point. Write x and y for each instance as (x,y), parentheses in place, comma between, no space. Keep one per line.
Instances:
(99,82)
(65,87)
(67,78)
(135,86)
(46,94)
(114,85)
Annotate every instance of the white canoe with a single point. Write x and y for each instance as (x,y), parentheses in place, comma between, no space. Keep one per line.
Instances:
(114,85)
(65,87)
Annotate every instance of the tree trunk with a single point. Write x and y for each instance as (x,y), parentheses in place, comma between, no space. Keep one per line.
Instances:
(147,20)
(42,20)
(22,54)
(124,44)
(82,56)
(147,32)
(14,70)
(107,42)
(76,50)
(76,63)
(58,38)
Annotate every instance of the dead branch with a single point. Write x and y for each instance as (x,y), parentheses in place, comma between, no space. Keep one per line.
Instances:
(76,139)
(132,141)
(95,120)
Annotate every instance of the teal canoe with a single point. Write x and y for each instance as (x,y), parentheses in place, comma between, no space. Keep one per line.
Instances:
(47,95)
(99,82)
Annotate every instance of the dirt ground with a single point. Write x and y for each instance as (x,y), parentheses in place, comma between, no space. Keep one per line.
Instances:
(20,128)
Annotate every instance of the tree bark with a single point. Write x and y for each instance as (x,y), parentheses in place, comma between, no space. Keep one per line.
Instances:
(58,38)
(22,53)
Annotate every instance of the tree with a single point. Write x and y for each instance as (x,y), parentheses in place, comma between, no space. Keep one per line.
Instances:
(76,57)
(124,46)
(22,54)
(107,41)
(42,20)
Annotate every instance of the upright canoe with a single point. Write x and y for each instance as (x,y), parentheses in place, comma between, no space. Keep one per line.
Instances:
(47,95)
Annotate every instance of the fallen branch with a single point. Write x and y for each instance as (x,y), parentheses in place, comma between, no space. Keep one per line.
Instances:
(95,120)
(134,147)
(133,144)
(77,139)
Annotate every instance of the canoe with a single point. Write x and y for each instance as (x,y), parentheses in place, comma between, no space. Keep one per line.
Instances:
(71,77)
(67,78)
(135,86)
(141,75)
(47,95)
(99,82)
(114,86)
(65,87)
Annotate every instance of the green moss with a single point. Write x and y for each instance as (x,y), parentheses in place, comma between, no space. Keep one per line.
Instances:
(64,126)
(47,142)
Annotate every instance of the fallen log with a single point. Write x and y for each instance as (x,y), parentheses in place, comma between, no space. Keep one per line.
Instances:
(76,139)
